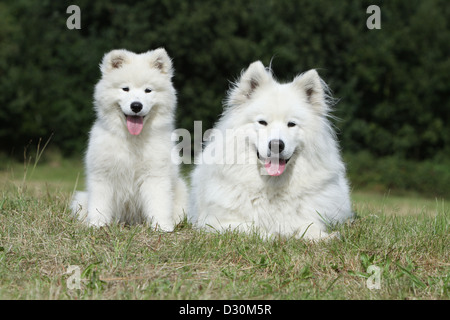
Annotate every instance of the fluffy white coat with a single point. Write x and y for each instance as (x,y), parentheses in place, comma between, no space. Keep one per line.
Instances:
(272,163)
(129,174)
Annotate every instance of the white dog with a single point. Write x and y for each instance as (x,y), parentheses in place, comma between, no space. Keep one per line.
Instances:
(273,162)
(130,176)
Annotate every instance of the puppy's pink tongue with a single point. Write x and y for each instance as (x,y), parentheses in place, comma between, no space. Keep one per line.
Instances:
(135,124)
(275,168)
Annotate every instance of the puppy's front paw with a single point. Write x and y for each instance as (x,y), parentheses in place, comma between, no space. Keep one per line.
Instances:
(164,226)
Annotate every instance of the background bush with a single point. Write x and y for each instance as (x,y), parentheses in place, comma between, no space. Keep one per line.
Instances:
(397,175)
(393,84)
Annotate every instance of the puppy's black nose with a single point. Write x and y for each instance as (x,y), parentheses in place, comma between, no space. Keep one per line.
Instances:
(136,106)
(276,146)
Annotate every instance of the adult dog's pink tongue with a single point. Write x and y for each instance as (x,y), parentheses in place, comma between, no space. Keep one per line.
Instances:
(135,124)
(275,168)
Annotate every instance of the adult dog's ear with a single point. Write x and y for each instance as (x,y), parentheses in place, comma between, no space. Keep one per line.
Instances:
(251,80)
(312,86)
(160,60)
(114,59)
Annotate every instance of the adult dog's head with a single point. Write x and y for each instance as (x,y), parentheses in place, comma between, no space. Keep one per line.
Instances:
(282,120)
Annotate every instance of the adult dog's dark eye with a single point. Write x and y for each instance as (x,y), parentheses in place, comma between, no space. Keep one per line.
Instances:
(262,122)
(148,90)
(291,124)
(126,89)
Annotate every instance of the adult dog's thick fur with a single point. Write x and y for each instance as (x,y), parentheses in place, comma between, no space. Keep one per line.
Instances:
(273,162)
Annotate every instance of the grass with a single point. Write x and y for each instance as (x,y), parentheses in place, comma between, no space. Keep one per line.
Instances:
(406,238)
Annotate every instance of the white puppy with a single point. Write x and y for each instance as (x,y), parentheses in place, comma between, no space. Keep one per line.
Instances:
(130,176)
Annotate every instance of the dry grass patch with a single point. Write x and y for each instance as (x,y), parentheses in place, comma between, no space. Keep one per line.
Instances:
(39,241)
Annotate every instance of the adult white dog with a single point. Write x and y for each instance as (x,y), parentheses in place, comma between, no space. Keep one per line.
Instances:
(130,176)
(272,164)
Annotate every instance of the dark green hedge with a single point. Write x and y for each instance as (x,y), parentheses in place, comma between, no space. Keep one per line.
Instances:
(392,174)
(393,84)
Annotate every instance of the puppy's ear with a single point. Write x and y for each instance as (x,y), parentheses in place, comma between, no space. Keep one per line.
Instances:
(160,60)
(313,88)
(114,59)
(252,79)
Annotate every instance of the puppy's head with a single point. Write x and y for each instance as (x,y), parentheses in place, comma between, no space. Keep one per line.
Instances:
(132,85)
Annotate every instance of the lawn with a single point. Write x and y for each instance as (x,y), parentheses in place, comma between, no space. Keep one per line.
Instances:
(397,248)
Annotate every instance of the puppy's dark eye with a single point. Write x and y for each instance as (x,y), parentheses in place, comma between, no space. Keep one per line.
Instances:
(148,90)
(291,124)
(262,122)
(126,89)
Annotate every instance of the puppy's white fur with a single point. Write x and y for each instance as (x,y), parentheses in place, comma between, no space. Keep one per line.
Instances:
(130,177)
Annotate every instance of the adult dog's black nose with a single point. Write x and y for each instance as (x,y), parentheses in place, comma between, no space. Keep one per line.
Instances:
(276,146)
(136,106)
